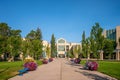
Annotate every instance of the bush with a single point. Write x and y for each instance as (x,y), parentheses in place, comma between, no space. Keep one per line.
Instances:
(44,61)
(77,60)
(30,65)
(50,59)
(91,65)
(72,59)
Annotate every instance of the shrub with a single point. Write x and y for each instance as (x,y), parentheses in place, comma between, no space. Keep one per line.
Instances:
(45,61)
(72,59)
(77,60)
(50,59)
(91,65)
(30,65)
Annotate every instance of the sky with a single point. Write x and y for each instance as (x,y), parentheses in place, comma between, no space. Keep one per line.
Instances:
(64,18)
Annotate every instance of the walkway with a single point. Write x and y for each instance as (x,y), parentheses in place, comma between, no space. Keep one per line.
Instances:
(61,69)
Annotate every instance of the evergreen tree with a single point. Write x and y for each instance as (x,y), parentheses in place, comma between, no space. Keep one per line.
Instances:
(83,44)
(53,47)
(34,40)
(39,34)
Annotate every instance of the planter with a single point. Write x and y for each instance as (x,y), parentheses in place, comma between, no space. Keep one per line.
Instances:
(91,65)
(50,59)
(45,61)
(77,61)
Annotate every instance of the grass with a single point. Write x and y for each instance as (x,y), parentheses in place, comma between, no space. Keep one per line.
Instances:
(111,68)
(10,69)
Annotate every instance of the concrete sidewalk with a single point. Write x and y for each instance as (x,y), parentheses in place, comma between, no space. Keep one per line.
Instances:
(61,69)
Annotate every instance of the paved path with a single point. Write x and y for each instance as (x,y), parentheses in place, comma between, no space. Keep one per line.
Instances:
(61,69)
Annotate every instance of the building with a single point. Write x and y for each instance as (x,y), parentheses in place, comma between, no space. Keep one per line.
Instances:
(63,46)
(114,34)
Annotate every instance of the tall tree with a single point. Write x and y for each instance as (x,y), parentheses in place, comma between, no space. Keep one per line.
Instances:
(109,47)
(53,47)
(38,34)
(79,51)
(4,34)
(88,50)
(48,51)
(83,44)
(15,42)
(97,39)
(34,40)
(39,40)
(75,51)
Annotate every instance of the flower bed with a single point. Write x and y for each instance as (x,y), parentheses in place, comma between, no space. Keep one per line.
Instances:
(91,65)
(30,65)
(72,59)
(44,61)
(77,61)
(50,59)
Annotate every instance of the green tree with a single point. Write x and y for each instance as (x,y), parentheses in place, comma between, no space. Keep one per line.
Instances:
(96,39)
(34,43)
(39,34)
(93,46)
(4,34)
(109,47)
(84,44)
(4,30)
(88,50)
(79,51)
(53,47)
(75,51)
(48,51)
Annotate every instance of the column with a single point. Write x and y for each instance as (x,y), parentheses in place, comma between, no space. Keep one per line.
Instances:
(117,55)
(88,56)
(101,55)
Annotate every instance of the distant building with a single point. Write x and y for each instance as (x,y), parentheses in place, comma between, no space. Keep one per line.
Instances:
(114,34)
(63,46)
(45,44)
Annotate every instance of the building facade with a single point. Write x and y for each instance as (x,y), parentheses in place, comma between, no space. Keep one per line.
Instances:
(114,34)
(63,47)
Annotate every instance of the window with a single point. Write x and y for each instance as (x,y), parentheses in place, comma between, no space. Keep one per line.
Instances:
(61,41)
(61,48)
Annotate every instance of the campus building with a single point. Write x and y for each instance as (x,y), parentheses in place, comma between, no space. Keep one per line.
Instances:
(63,46)
(114,34)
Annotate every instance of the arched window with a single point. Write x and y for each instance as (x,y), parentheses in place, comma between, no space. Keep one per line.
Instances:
(61,41)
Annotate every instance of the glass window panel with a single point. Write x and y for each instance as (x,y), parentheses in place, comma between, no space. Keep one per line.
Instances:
(61,48)
(61,41)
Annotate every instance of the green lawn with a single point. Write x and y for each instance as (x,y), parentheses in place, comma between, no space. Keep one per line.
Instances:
(10,69)
(111,68)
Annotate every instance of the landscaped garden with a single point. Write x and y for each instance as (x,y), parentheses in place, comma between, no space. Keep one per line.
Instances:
(110,68)
(10,69)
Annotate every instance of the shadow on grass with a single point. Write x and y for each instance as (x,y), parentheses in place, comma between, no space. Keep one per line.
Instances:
(4,70)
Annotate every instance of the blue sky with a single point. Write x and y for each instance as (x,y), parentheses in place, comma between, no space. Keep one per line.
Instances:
(63,18)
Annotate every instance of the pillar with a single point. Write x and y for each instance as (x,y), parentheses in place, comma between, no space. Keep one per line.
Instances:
(117,55)
(88,56)
(101,55)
